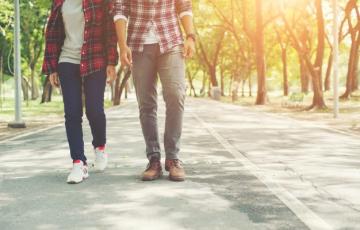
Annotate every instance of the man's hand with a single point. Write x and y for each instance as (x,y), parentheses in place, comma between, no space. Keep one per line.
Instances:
(126,56)
(54,79)
(189,48)
(111,74)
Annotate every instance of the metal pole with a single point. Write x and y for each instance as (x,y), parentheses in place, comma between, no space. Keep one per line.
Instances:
(336,57)
(18,123)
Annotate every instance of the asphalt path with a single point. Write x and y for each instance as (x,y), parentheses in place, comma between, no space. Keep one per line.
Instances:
(245,170)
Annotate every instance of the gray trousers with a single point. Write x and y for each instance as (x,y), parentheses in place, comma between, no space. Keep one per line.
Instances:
(170,67)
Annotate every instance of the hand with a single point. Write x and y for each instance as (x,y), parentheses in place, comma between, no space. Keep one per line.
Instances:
(189,48)
(126,56)
(54,79)
(110,74)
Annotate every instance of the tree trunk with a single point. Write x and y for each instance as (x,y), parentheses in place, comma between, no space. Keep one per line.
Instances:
(260,55)
(327,83)
(192,88)
(250,86)
(285,71)
(231,84)
(235,91)
(34,88)
(1,79)
(213,79)
(25,88)
(304,76)
(356,66)
(209,88)
(47,91)
(222,82)
(318,99)
(243,88)
(352,68)
(202,91)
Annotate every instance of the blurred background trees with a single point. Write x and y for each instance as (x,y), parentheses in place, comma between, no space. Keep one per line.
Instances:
(33,20)
(245,48)
(286,46)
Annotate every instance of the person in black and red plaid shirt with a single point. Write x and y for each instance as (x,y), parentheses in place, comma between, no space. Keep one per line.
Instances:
(81,53)
(155,46)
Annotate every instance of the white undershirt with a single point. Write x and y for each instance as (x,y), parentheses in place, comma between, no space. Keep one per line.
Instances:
(150,37)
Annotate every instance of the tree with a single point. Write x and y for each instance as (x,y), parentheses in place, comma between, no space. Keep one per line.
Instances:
(315,69)
(33,20)
(354,32)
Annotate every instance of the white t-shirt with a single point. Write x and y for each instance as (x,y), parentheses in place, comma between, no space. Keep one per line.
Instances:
(150,37)
(74,25)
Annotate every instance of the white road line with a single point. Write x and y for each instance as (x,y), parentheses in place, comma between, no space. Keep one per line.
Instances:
(304,213)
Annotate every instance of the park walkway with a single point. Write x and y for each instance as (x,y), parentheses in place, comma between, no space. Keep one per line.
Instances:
(246,170)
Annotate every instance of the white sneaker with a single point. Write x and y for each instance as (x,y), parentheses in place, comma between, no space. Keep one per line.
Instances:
(78,173)
(101,159)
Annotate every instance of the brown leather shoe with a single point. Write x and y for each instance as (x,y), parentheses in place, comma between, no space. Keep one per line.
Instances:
(176,171)
(153,170)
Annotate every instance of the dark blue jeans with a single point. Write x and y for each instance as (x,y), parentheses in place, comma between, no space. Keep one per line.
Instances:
(94,88)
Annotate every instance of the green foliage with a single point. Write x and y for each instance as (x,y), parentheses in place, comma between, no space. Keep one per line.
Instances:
(6,28)
(33,18)
(297,97)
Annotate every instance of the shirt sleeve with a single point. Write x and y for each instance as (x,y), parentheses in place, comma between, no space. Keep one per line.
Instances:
(186,13)
(110,36)
(119,17)
(122,9)
(183,7)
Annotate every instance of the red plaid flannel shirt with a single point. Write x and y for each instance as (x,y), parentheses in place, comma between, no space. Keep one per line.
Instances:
(163,13)
(100,42)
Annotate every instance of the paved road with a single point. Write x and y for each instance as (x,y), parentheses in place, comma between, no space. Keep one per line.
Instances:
(246,170)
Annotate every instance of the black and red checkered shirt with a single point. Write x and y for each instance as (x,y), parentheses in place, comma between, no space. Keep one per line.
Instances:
(100,43)
(163,14)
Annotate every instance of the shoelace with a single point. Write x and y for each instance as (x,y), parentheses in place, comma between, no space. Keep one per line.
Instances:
(176,163)
(153,164)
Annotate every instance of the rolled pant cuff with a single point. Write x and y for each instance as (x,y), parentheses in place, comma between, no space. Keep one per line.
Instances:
(155,154)
(172,157)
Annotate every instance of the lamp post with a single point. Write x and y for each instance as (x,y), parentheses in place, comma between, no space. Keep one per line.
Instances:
(336,57)
(17,123)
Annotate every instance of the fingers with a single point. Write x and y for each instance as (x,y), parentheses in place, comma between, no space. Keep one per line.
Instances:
(130,57)
(51,81)
(57,82)
(188,52)
(126,58)
(54,80)
(185,51)
(125,61)
(111,75)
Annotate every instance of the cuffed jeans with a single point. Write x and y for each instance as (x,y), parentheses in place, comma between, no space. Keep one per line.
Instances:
(170,67)
(94,87)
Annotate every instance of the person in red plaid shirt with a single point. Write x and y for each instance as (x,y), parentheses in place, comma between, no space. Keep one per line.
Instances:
(80,53)
(155,46)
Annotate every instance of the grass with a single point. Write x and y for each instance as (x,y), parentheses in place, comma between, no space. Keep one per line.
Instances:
(349,119)
(277,102)
(33,110)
